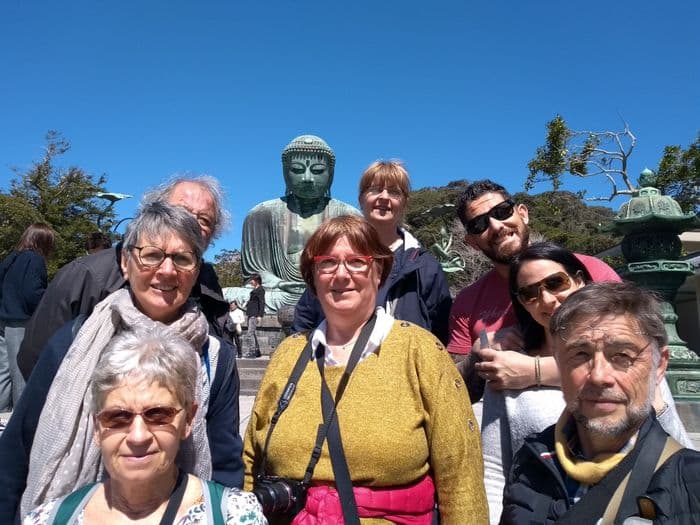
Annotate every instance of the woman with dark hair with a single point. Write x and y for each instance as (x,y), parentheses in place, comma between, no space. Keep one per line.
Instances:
(397,433)
(23,280)
(540,280)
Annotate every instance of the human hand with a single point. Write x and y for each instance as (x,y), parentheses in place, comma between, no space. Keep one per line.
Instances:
(505,368)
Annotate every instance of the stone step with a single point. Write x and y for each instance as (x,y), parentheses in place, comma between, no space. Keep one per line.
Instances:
(251,372)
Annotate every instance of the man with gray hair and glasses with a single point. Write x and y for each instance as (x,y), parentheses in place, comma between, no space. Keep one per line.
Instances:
(82,283)
(607,460)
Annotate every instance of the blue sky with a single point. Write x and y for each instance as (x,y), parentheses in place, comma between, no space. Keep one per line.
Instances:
(456,89)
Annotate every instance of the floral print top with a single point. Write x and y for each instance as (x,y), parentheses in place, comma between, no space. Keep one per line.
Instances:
(238,507)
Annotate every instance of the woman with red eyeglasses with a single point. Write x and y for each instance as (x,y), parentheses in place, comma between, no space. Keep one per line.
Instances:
(365,419)
(540,280)
(143,400)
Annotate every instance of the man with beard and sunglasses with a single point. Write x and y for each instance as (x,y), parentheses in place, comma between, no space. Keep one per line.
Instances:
(498,227)
(607,459)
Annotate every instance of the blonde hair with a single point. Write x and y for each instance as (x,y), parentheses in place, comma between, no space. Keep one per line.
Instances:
(388,174)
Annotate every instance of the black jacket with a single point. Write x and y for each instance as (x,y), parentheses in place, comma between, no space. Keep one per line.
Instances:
(82,283)
(535,492)
(256,304)
(416,291)
(22,283)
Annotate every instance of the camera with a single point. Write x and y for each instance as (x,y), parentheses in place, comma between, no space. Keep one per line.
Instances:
(280,495)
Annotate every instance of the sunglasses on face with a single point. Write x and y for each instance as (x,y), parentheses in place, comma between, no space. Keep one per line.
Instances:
(352,263)
(555,283)
(500,212)
(121,418)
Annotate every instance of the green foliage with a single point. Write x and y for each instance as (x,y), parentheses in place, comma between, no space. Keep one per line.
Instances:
(550,159)
(63,198)
(582,154)
(227,264)
(678,175)
(562,217)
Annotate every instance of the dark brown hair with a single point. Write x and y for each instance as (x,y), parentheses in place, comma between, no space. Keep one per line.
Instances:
(38,237)
(360,234)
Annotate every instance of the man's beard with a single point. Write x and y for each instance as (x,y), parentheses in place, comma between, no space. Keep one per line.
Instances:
(500,256)
(634,415)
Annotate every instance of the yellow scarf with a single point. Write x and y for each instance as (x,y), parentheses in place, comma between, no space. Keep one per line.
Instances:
(583,471)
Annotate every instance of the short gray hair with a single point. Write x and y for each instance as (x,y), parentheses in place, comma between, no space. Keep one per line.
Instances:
(158,356)
(597,300)
(157,219)
(209,183)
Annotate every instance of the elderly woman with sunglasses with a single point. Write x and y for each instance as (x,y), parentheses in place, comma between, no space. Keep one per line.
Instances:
(416,289)
(143,403)
(405,424)
(47,450)
(540,279)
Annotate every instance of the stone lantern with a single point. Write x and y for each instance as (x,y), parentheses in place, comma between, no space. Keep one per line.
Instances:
(651,224)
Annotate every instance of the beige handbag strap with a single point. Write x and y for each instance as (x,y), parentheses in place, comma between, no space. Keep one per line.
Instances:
(671,447)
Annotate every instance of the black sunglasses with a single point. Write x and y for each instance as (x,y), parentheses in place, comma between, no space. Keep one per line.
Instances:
(480,223)
(121,418)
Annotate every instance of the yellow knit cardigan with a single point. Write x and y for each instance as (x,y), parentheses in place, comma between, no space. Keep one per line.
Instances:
(405,412)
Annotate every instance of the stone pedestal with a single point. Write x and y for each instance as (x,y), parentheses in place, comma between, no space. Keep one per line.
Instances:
(269,333)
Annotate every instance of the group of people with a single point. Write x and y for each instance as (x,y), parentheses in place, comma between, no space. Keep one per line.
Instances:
(364,415)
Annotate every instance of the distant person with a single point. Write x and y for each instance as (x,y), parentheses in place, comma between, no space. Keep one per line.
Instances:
(143,398)
(607,458)
(47,449)
(255,309)
(23,279)
(84,282)
(416,289)
(236,318)
(97,241)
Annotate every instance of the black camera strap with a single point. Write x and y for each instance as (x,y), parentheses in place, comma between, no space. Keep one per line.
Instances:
(290,388)
(329,406)
(284,400)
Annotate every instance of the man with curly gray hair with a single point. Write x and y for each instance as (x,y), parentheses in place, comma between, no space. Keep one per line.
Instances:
(84,282)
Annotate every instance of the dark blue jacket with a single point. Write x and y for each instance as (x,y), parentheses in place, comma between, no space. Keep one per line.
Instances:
(416,290)
(22,283)
(536,491)
(16,441)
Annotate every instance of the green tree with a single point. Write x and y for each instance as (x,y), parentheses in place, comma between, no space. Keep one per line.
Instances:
(64,198)
(678,174)
(583,154)
(564,218)
(227,264)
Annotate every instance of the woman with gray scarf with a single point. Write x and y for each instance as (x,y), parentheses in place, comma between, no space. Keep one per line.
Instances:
(47,449)
(143,405)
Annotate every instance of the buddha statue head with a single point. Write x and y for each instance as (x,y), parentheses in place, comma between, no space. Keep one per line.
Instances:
(308,164)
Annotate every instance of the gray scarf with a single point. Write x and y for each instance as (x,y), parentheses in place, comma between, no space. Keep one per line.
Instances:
(64,456)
